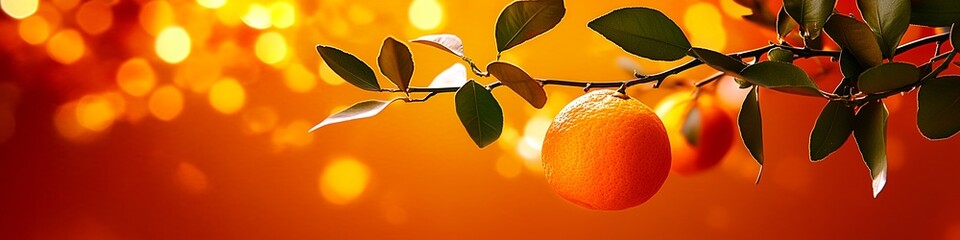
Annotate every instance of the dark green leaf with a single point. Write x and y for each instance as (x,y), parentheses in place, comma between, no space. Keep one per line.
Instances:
(782,77)
(691,127)
(520,82)
(785,24)
(936,72)
(955,35)
(525,20)
(454,76)
(780,55)
(934,13)
(809,14)
(719,61)
(359,110)
(938,114)
(480,113)
(856,38)
(349,67)
(446,42)
(888,76)
(871,134)
(396,63)
(643,32)
(849,66)
(751,125)
(888,19)
(832,129)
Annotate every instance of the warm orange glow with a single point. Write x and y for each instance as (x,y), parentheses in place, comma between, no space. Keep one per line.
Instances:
(34,29)
(136,77)
(66,46)
(734,10)
(214,4)
(299,79)
(704,26)
(191,178)
(360,15)
(8,124)
(155,16)
(343,181)
(508,167)
(227,96)
(95,113)
(19,9)
(260,119)
(65,5)
(166,103)
(426,14)
(94,17)
(257,16)
(173,44)
(271,48)
(292,135)
(65,121)
(282,14)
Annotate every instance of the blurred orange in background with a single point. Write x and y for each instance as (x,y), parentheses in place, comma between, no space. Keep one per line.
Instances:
(183,119)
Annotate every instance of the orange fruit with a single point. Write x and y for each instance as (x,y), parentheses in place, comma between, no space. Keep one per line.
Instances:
(606,151)
(700,131)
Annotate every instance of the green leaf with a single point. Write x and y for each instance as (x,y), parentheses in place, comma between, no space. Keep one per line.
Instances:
(785,24)
(524,20)
(809,14)
(751,125)
(359,110)
(780,55)
(446,42)
(856,38)
(520,82)
(691,126)
(934,13)
(871,134)
(832,129)
(955,35)
(643,32)
(396,63)
(888,76)
(938,114)
(719,61)
(480,113)
(454,76)
(349,67)
(888,19)
(849,66)
(782,77)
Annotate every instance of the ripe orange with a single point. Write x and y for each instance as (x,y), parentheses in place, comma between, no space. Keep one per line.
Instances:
(606,151)
(708,136)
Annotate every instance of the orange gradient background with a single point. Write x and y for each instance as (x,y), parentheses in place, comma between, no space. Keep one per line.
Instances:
(187,119)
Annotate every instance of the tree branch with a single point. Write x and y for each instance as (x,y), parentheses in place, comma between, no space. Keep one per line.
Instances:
(658,78)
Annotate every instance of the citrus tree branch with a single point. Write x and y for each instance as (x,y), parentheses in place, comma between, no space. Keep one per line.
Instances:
(658,78)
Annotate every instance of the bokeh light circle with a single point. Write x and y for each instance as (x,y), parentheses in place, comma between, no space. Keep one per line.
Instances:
(227,96)
(136,77)
(173,44)
(19,9)
(343,181)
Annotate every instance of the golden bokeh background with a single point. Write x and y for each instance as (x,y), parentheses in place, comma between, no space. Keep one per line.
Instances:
(187,119)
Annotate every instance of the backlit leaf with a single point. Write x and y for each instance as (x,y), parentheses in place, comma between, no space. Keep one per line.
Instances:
(888,19)
(832,129)
(934,13)
(871,134)
(955,35)
(719,61)
(751,125)
(446,42)
(888,76)
(359,110)
(349,67)
(691,126)
(850,67)
(454,76)
(396,63)
(480,113)
(780,55)
(520,82)
(938,114)
(856,38)
(643,32)
(785,24)
(782,77)
(524,20)
(810,15)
